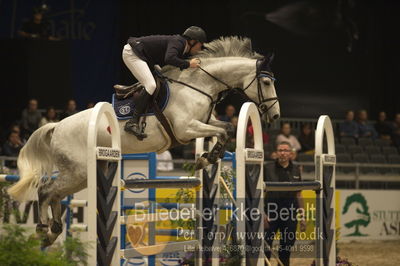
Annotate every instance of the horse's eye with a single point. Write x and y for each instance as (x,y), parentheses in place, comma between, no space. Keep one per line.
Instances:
(267,82)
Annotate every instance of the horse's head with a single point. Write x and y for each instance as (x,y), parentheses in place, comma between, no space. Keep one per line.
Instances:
(261,90)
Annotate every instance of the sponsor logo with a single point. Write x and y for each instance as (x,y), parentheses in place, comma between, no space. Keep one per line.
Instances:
(125,109)
(356,206)
(330,159)
(254,154)
(136,175)
(108,153)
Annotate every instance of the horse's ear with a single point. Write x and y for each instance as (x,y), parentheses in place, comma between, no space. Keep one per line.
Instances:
(263,64)
(270,57)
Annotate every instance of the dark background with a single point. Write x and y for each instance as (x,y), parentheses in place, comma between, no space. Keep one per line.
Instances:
(316,73)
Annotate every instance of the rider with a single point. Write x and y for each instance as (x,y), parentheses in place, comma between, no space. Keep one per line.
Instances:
(141,54)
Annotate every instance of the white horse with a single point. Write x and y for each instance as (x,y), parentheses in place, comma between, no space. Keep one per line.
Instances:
(227,63)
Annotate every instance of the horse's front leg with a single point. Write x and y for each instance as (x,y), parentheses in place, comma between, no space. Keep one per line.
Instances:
(197,129)
(228,126)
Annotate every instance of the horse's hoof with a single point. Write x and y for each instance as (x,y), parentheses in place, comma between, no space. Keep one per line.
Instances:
(45,242)
(201,163)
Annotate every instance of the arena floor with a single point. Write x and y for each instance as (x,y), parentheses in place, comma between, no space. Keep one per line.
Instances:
(380,253)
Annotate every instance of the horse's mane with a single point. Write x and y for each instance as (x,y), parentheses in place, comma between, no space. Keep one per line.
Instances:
(232,46)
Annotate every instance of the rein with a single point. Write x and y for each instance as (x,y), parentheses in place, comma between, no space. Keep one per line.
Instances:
(229,88)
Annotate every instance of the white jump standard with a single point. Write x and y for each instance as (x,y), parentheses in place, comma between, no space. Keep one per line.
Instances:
(324,186)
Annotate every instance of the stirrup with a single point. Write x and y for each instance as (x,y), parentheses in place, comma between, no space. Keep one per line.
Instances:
(137,133)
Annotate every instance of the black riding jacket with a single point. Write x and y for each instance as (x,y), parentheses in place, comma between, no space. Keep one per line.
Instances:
(160,50)
(273,171)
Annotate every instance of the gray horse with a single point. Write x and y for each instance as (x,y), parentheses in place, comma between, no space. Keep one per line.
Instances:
(226,64)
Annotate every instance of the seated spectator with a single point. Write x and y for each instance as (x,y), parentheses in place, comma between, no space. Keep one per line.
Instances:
(231,144)
(229,113)
(234,122)
(365,128)
(17,129)
(286,136)
(90,105)
(307,138)
(383,127)
(70,110)
(50,117)
(164,161)
(250,131)
(396,131)
(30,118)
(11,148)
(348,128)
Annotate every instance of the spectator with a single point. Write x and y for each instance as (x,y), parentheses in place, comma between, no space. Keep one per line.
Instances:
(90,105)
(349,127)
(30,118)
(70,110)
(229,113)
(17,129)
(50,117)
(286,136)
(396,131)
(11,148)
(166,164)
(36,28)
(250,131)
(231,144)
(383,127)
(234,121)
(307,139)
(365,129)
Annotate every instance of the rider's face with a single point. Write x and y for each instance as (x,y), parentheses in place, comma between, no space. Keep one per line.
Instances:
(196,48)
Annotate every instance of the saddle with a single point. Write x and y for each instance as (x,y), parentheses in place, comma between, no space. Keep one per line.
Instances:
(124,103)
(124,92)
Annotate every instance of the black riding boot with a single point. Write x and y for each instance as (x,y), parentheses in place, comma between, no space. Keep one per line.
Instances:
(132,126)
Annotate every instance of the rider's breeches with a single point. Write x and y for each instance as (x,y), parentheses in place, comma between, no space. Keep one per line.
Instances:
(139,69)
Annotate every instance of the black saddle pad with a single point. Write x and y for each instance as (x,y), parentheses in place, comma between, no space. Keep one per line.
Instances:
(124,108)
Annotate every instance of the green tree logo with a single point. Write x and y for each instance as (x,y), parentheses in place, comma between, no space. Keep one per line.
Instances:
(357,203)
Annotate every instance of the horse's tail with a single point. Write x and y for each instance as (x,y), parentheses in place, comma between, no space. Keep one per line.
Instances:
(34,161)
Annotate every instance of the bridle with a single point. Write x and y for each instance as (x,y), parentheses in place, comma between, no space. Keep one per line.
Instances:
(261,99)
(262,107)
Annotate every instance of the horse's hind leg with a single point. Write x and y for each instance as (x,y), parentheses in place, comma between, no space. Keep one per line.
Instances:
(42,227)
(52,193)
(56,224)
(61,189)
